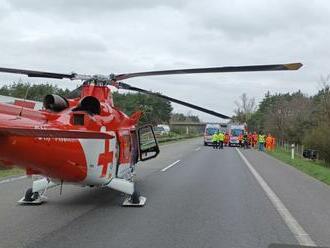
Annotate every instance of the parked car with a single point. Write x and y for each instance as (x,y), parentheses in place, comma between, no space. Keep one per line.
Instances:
(165,128)
(160,131)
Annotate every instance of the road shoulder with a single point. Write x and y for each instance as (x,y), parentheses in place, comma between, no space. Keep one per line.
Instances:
(307,198)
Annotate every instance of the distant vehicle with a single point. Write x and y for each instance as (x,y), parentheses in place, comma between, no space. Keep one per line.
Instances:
(210,129)
(165,129)
(234,132)
(160,131)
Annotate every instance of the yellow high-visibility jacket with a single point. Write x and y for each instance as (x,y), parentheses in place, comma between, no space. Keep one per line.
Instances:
(261,138)
(221,137)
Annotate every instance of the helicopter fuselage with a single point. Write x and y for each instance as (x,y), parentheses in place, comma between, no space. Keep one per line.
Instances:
(78,160)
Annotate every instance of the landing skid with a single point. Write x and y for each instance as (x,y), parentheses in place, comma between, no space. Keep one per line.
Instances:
(37,194)
(129,203)
(37,201)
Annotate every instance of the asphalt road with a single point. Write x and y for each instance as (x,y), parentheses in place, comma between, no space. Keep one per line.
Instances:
(208,199)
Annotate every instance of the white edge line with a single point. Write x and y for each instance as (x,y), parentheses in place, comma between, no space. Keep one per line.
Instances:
(300,234)
(12,179)
(171,165)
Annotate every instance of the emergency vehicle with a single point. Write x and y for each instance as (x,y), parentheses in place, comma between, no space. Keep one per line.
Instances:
(210,129)
(235,130)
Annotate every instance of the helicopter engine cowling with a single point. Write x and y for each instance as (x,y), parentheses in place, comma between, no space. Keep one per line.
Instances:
(55,103)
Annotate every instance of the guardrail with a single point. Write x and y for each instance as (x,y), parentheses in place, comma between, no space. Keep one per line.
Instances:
(175,138)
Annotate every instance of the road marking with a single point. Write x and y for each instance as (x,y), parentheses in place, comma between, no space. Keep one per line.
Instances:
(300,234)
(171,165)
(197,149)
(13,179)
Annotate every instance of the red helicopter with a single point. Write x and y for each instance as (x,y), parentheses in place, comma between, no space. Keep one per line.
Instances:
(84,139)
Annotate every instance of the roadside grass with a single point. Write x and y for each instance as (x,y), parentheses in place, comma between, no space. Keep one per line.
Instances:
(316,169)
(11,172)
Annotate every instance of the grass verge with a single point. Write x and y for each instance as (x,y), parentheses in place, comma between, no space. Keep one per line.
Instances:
(11,172)
(316,169)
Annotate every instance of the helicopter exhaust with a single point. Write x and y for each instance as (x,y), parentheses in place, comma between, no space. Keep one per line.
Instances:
(55,103)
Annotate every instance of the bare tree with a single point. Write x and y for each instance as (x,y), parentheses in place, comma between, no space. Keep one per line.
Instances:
(245,107)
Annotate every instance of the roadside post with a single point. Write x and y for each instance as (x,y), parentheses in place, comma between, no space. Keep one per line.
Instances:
(292,151)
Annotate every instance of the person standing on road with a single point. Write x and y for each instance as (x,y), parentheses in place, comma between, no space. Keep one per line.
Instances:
(221,138)
(254,139)
(245,141)
(261,141)
(250,139)
(269,142)
(215,140)
(240,140)
(226,141)
(273,144)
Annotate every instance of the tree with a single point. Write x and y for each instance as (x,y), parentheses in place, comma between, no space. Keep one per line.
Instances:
(155,110)
(297,118)
(245,107)
(178,117)
(35,92)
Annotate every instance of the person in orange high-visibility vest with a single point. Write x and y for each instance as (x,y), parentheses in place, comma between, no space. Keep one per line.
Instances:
(226,141)
(273,144)
(269,142)
(254,139)
(240,140)
(250,138)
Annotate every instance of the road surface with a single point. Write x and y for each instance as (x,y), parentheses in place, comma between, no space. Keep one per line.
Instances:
(197,197)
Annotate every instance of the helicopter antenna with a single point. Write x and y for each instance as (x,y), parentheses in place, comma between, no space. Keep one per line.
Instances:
(26,94)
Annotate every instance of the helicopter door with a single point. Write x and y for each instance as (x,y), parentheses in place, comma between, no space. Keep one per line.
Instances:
(148,146)
(135,148)
(125,151)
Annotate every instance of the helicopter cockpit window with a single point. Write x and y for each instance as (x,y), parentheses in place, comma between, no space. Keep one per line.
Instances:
(89,104)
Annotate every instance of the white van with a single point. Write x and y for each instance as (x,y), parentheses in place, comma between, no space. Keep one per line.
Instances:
(210,129)
(234,132)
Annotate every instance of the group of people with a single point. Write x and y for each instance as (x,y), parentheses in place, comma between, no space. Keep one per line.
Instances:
(268,142)
(218,140)
(246,140)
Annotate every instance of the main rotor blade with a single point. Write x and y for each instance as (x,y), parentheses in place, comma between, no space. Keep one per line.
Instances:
(211,112)
(276,67)
(42,74)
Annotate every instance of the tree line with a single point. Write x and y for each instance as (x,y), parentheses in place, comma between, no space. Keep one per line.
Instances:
(292,117)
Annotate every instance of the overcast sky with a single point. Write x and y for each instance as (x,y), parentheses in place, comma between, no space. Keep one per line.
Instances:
(117,36)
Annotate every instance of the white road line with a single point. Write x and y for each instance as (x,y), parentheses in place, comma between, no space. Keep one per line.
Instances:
(171,165)
(197,149)
(13,179)
(300,234)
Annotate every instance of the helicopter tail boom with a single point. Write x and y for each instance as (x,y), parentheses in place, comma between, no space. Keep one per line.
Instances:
(52,133)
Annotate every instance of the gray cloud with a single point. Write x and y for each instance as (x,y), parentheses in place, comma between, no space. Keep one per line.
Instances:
(126,36)
(88,9)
